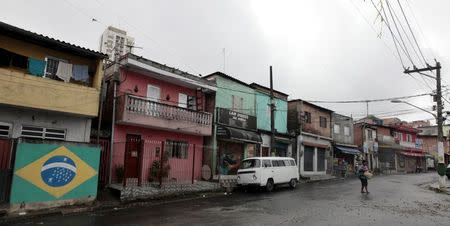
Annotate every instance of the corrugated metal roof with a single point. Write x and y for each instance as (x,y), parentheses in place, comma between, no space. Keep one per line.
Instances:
(39,39)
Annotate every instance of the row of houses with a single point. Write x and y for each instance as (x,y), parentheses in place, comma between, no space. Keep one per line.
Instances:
(72,121)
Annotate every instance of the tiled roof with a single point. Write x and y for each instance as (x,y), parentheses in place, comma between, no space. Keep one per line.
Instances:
(39,39)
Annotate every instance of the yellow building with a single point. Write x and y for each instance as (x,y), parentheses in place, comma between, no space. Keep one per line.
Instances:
(49,88)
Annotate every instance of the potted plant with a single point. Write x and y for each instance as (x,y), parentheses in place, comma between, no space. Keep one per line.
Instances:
(159,169)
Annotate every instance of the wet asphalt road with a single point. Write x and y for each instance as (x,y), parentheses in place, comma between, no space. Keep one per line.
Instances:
(394,200)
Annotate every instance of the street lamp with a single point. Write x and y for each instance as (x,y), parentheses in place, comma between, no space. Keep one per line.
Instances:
(442,182)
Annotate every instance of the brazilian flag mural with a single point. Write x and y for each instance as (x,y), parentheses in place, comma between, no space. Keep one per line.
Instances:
(50,172)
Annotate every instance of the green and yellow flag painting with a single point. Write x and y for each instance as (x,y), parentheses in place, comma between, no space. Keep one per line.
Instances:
(48,172)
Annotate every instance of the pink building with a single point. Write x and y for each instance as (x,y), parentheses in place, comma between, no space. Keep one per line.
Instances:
(159,117)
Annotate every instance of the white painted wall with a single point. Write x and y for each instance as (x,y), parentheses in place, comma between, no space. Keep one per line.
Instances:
(78,129)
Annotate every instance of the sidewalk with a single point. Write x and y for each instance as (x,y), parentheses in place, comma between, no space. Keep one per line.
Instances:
(113,199)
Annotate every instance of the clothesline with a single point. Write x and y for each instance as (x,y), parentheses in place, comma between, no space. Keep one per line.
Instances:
(38,67)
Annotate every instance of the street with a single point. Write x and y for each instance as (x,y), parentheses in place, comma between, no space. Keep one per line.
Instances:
(393,200)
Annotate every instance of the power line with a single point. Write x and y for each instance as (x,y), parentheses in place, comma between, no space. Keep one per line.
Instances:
(398,31)
(369,100)
(412,33)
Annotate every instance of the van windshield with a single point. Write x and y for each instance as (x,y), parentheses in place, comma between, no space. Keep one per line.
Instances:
(250,163)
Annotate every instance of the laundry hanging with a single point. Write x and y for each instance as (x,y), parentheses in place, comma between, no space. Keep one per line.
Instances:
(80,72)
(64,71)
(36,67)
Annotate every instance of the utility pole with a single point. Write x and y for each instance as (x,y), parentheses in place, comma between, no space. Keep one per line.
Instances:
(272,114)
(367,108)
(437,68)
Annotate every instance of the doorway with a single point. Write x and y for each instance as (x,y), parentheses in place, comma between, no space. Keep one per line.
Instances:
(132,155)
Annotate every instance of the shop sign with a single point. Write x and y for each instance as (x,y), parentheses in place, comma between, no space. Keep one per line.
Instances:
(236,119)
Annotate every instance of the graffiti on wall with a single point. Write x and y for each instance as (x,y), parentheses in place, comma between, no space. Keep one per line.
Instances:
(49,172)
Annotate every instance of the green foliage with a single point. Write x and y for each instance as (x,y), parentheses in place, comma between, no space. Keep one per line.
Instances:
(158,169)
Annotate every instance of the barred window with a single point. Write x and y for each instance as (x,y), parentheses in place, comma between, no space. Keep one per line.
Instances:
(177,149)
(43,133)
(5,129)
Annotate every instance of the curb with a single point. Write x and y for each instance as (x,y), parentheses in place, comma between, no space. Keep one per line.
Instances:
(98,206)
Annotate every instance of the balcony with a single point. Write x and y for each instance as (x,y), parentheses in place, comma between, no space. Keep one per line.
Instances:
(139,111)
(387,139)
(17,88)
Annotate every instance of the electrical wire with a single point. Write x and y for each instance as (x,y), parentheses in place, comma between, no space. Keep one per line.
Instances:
(412,33)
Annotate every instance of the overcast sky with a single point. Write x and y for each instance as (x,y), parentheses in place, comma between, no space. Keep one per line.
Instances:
(320,49)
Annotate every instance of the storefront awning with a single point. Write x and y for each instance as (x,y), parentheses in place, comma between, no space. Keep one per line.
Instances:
(238,134)
(412,154)
(347,150)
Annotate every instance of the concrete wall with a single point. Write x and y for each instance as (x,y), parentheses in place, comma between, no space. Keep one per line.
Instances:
(227,88)
(343,121)
(180,168)
(295,111)
(169,91)
(21,89)
(263,113)
(37,187)
(78,129)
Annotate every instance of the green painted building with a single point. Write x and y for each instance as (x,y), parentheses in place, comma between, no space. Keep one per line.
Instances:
(235,134)
(283,142)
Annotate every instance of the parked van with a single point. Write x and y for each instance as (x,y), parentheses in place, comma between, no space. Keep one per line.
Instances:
(267,172)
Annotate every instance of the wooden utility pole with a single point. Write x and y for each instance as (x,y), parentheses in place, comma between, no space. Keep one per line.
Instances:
(440,107)
(272,114)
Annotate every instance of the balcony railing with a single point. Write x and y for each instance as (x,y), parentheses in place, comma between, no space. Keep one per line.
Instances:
(144,106)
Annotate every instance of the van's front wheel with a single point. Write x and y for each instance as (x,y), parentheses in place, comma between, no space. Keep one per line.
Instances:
(293,183)
(269,185)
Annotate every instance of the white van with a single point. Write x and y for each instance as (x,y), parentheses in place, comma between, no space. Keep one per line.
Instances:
(267,172)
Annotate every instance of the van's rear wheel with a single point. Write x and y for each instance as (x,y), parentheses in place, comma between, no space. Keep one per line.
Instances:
(270,185)
(293,183)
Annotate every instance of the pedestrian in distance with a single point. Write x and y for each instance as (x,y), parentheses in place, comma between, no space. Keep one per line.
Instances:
(363,170)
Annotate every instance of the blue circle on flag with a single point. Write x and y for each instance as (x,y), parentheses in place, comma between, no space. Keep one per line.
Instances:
(58,171)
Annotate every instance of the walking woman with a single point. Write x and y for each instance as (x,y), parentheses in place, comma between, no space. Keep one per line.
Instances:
(362,170)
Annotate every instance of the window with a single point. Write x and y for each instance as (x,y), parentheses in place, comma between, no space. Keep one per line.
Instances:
(287,163)
(43,133)
(266,163)
(237,103)
(374,134)
(52,66)
(320,159)
(292,162)
(308,159)
(336,128)
(307,117)
(177,149)
(408,137)
(153,93)
(274,163)
(5,129)
(182,100)
(369,134)
(250,163)
(192,102)
(280,163)
(186,101)
(346,131)
(323,122)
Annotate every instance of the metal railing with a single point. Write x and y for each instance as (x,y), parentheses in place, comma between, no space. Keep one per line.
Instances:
(140,105)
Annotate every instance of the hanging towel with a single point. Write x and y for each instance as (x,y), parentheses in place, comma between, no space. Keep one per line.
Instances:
(64,71)
(80,72)
(36,67)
